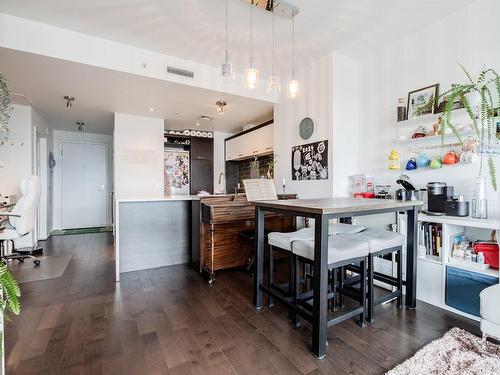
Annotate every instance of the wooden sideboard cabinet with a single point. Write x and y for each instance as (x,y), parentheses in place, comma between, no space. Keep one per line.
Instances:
(227,224)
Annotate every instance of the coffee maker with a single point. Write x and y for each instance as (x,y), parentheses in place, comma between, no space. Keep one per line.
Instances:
(438,194)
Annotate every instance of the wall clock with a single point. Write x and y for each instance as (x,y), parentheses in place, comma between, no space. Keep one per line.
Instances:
(306,128)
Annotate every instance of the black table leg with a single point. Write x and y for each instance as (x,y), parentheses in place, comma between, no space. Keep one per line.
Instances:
(411,257)
(259,257)
(320,294)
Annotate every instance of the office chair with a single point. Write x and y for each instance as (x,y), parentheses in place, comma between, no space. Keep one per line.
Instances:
(21,219)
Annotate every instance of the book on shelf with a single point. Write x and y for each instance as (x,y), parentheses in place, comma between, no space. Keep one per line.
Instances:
(430,237)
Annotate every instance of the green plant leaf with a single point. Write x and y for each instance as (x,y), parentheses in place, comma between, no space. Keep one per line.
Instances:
(493,173)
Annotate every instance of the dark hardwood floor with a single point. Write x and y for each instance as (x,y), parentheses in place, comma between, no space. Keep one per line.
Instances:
(170,321)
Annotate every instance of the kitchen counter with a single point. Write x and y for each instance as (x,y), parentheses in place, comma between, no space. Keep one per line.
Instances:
(152,233)
(165,199)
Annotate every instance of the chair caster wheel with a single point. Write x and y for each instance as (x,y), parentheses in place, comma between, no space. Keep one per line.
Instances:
(37,262)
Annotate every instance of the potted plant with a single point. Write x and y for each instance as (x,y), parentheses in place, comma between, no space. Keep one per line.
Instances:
(9,302)
(478,98)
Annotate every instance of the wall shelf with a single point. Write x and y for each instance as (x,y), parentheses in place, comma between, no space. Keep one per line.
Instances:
(428,118)
(433,138)
(488,271)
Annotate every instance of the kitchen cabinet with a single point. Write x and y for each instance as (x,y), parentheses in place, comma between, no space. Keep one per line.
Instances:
(202,170)
(255,142)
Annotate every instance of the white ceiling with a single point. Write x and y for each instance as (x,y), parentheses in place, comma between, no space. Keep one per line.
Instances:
(99,92)
(194,29)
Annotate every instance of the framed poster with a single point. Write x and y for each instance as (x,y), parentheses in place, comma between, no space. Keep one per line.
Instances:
(176,172)
(310,161)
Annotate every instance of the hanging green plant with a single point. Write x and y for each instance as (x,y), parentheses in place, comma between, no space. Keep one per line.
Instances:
(5,108)
(477,97)
(9,295)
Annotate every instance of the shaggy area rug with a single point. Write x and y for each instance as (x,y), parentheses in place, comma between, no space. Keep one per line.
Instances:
(457,352)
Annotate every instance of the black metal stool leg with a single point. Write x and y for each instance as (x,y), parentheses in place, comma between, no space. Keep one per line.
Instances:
(335,288)
(362,290)
(370,296)
(400,278)
(294,283)
(341,287)
(271,274)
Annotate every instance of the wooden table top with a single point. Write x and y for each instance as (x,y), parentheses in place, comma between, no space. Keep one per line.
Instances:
(326,206)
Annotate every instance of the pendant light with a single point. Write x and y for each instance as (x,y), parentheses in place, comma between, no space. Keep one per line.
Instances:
(227,67)
(251,74)
(293,86)
(273,83)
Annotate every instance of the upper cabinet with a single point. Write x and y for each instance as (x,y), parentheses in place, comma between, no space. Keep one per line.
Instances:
(252,143)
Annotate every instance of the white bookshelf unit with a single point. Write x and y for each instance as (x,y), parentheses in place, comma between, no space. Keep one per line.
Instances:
(431,270)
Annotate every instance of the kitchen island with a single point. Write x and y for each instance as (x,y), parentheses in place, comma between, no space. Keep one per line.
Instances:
(151,233)
(227,232)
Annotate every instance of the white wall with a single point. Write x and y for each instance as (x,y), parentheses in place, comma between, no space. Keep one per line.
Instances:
(219,158)
(316,103)
(61,136)
(346,108)
(330,96)
(16,154)
(426,57)
(138,157)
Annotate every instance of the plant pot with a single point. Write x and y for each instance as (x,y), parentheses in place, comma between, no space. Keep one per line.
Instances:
(474,99)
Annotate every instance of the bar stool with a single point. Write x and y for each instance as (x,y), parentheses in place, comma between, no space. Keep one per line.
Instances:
(283,242)
(381,242)
(343,249)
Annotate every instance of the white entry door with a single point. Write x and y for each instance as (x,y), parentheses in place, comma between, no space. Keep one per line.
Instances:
(84,185)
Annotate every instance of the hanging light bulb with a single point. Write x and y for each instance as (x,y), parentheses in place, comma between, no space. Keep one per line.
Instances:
(293,86)
(273,82)
(227,67)
(251,74)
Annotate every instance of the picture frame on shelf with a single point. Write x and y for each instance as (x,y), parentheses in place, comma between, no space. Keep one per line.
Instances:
(421,102)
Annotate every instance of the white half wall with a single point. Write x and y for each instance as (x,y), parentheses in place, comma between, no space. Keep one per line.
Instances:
(428,56)
(59,137)
(138,157)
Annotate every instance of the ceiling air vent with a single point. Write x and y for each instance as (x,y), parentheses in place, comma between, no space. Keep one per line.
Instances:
(206,117)
(180,72)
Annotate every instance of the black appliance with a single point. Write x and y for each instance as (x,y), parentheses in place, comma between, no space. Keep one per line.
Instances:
(456,206)
(437,195)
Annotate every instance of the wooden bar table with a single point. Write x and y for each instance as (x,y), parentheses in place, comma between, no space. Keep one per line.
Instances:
(322,210)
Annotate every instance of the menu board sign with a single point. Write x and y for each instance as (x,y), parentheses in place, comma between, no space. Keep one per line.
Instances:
(310,161)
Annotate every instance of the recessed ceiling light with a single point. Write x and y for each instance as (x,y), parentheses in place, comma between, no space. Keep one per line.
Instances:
(197,124)
(151,109)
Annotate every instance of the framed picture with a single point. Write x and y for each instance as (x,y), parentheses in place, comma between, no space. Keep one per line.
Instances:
(310,161)
(421,102)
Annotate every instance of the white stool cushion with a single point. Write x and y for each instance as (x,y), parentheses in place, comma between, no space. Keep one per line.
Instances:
(340,248)
(380,239)
(490,304)
(339,228)
(284,240)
